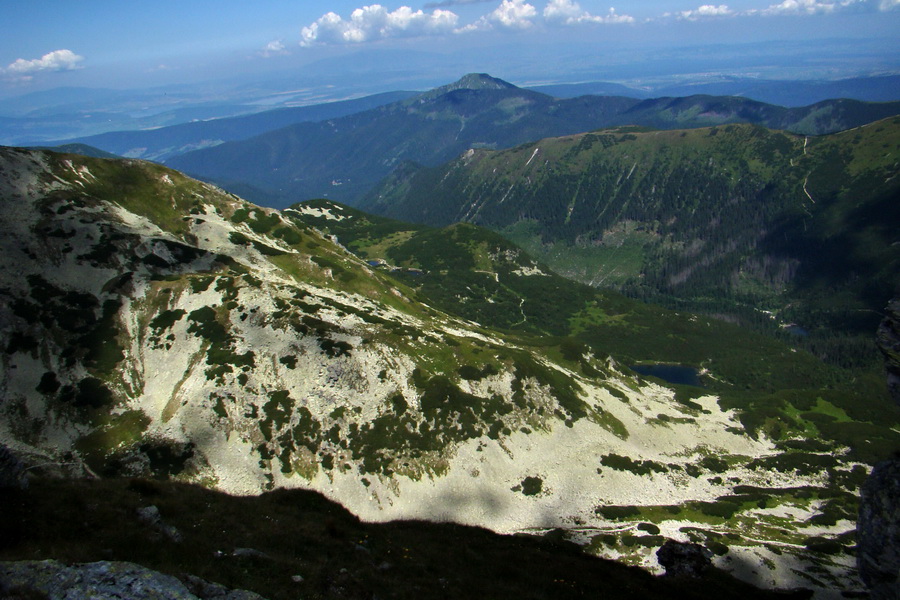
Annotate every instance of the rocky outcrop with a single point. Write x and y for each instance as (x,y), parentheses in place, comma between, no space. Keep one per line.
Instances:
(888,338)
(151,517)
(685,559)
(12,470)
(878,531)
(104,581)
(878,527)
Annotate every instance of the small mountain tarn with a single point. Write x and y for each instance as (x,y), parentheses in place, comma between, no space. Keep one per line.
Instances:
(678,374)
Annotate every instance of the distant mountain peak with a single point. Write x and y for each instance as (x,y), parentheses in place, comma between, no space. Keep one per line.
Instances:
(478,81)
(472,81)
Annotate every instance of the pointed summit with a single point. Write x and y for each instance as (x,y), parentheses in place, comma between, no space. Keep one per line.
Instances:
(472,81)
(478,81)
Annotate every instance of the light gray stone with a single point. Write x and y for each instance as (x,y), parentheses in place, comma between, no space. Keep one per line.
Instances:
(104,581)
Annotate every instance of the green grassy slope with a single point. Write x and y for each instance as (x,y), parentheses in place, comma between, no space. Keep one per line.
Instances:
(476,274)
(733,220)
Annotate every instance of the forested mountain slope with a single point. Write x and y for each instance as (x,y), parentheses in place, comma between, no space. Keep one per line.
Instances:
(737,220)
(343,158)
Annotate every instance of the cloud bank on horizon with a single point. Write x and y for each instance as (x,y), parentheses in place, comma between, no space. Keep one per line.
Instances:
(375,22)
(447,19)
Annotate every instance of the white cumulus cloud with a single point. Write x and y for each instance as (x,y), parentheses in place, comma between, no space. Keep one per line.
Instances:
(613,17)
(707,10)
(885,5)
(376,22)
(446,3)
(514,14)
(511,14)
(58,60)
(807,7)
(569,12)
(274,48)
(563,10)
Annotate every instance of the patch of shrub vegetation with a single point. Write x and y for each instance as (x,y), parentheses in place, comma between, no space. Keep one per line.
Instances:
(532,486)
(563,388)
(120,434)
(617,512)
(48,384)
(823,545)
(649,528)
(714,464)
(455,412)
(572,349)
(840,506)
(103,351)
(262,223)
(277,412)
(398,404)
(638,467)
(803,463)
(220,354)
(251,280)
(290,235)
(205,324)
(470,373)
(200,283)
(21,342)
(717,548)
(166,320)
(90,393)
(238,238)
(607,539)
(723,508)
(648,541)
(334,348)
(267,250)
(167,458)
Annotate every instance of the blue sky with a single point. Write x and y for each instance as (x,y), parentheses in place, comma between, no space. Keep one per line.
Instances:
(133,43)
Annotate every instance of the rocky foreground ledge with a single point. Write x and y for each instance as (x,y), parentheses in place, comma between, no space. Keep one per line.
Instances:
(105,580)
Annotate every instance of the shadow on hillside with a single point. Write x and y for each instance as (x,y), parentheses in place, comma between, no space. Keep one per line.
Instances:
(296,543)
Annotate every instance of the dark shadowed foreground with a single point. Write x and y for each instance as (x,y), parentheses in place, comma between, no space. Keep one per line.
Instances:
(297,544)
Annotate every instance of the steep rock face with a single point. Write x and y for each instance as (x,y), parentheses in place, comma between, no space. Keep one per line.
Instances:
(154,325)
(12,471)
(878,529)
